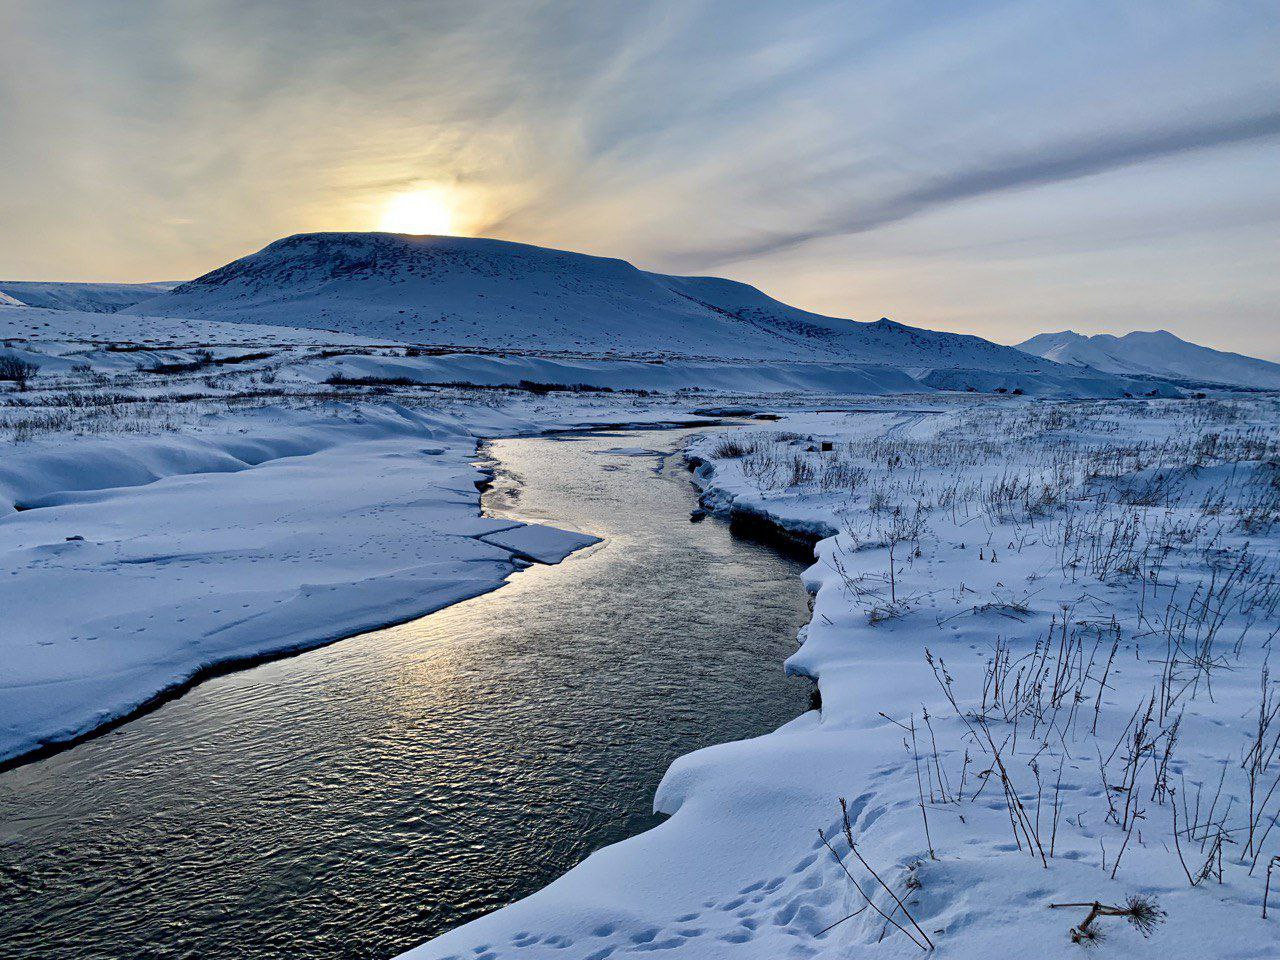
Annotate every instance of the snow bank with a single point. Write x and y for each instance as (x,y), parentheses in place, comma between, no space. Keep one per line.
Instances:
(136,564)
(973,534)
(52,472)
(1059,382)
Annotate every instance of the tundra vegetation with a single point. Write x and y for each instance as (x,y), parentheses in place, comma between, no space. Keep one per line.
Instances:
(1075,605)
(1057,618)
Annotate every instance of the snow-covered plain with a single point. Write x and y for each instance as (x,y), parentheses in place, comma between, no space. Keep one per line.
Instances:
(178,495)
(135,563)
(171,514)
(54,331)
(1040,632)
(60,342)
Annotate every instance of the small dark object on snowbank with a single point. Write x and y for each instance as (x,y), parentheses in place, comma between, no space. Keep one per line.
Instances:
(199,360)
(729,449)
(17,370)
(342,380)
(1142,912)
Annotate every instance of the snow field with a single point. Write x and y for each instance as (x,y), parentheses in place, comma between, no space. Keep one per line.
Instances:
(1069,645)
(130,565)
(1094,582)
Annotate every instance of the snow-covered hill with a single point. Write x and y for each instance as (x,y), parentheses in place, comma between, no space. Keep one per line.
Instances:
(48,330)
(8,301)
(466,292)
(63,341)
(1159,354)
(85,297)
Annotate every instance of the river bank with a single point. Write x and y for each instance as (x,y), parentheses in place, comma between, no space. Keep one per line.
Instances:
(404,781)
(134,566)
(976,553)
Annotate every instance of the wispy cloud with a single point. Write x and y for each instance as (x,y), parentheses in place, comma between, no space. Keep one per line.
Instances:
(162,139)
(1049,163)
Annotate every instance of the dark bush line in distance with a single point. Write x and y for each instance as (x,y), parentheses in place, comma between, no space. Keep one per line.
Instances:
(527,386)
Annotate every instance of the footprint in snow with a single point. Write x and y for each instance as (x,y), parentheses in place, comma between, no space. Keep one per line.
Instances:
(805,864)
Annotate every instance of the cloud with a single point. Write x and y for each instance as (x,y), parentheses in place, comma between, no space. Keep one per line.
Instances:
(1047,164)
(684,135)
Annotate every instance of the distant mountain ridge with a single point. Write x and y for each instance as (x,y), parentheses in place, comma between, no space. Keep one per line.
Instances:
(1158,353)
(468,292)
(85,297)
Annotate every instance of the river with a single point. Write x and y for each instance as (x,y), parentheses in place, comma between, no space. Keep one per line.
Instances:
(355,800)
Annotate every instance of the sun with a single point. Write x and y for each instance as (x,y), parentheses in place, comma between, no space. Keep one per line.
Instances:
(418,211)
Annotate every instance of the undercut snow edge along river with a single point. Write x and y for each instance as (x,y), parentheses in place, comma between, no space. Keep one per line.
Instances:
(363,797)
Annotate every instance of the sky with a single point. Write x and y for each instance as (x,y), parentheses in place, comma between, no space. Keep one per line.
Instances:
(995,168)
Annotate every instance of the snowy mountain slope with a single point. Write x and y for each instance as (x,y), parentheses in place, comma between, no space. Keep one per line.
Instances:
(8,301)
(489,293)
(87,297)
(45,329)
(1158,353)
(59,341)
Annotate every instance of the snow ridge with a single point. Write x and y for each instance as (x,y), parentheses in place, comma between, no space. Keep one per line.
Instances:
(1158,353)
(85,297)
